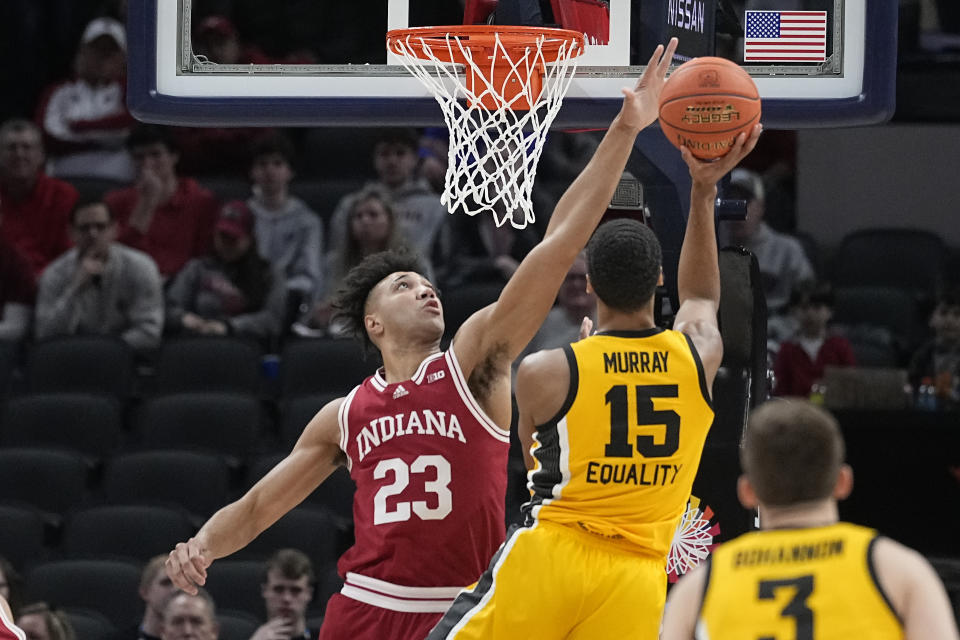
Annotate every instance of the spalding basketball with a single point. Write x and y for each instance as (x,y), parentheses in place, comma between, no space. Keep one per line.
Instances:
(706,103)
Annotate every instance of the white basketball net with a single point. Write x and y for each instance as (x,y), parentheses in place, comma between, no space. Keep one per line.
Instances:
(493,153)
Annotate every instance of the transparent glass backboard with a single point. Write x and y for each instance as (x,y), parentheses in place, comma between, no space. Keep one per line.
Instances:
(326,63)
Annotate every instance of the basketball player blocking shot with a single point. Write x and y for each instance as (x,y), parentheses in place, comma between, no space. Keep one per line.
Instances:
(426,437)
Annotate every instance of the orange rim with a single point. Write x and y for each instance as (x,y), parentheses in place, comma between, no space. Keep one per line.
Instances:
(483,38)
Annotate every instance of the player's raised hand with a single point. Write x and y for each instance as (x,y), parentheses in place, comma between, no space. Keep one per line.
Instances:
(642,103)
(187,565)
(709,172)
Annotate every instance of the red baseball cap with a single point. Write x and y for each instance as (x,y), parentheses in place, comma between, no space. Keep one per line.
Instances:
(236,219)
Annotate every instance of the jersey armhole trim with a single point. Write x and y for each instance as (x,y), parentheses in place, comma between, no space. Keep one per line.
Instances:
(463,388)
(571,388)
(343,423)
(876,582)
(701,375)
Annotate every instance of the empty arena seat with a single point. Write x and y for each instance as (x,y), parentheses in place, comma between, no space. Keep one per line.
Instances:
(52,482)
(193,481)
(912,259)
(324,365)
(223,423)
(208,364)
(296,413)
(87,424)
(91,364)
(335,494)
(109,587)
(892,308)
(312,531)
(127,532)
(21,536)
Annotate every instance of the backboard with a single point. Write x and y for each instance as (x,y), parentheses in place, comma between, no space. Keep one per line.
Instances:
(353,83)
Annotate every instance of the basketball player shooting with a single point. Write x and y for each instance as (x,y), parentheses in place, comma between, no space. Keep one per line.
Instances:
(426,437)
(620,419)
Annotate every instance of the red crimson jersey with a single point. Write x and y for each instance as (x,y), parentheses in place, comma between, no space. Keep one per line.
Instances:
(429,466)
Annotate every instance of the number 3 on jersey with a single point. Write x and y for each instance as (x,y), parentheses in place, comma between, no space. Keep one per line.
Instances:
(401,479)
(797,607)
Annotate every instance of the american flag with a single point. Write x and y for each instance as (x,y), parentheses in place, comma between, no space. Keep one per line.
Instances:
(785,36)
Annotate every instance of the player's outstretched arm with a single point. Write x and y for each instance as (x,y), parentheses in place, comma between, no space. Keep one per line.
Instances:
(683,607)
(512,321)
(698,272)
(915,591)
(316,455)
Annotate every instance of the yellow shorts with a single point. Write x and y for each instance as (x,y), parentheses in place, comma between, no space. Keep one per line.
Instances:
(552,581)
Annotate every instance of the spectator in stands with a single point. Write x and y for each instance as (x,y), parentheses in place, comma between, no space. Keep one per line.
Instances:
(939,357)
(574,303)
(190,617)
(86,119)
(289,233)
(372,226)
(418,210)
(434,147)
(783,262)
(36,207)
(156,589)
(475,249)
(40,622)
(801,360)
(11,585)
(18,291)
(232,291)
(218,40)
(100,286)
(287,591)
(168,217)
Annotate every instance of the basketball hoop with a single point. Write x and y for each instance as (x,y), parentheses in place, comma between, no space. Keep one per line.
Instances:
(498,109)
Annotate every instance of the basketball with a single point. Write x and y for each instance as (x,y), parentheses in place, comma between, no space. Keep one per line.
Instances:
(706,103)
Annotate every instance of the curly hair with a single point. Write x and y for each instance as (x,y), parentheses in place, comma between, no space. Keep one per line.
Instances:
(350,300)
(623,261)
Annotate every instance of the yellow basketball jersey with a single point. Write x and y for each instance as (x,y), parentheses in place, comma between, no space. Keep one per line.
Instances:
(619,459)
(796,584)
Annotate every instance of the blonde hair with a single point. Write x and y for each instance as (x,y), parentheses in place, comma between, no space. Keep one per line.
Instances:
(56,621)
